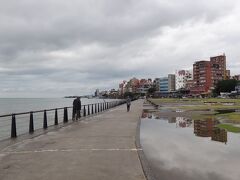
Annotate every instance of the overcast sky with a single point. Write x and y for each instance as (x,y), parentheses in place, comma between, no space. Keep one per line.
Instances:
(53,48)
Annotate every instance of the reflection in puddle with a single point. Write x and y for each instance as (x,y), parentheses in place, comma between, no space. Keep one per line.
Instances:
(207,128)
(182,149)
(183,122)
(225,111)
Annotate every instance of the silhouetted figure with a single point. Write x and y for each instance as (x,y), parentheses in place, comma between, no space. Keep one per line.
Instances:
(128,104)
(76,108)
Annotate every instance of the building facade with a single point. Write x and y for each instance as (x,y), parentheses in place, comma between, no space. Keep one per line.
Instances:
(201,77)
(165,84)
(171,82)
(206,74)
(182,77)
(218,69)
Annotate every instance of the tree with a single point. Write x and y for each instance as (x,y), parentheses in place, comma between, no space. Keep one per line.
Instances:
(151,90)
(128,94)
(225,86)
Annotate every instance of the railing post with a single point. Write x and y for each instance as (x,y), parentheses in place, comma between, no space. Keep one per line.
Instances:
(95,108)
(31,125)
(88,109)
(101,109)
(84,110)
(80,113)
(92,109)
(98,108)
(65,115)
(56,117)
(13,128)
(45,126)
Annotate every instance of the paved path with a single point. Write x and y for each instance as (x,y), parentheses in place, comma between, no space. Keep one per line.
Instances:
(100,147)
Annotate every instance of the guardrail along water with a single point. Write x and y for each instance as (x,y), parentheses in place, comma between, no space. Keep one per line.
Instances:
(12,125)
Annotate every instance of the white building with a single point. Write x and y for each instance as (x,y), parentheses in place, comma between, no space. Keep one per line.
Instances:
(182,76)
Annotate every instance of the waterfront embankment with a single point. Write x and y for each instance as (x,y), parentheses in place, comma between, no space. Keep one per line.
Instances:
(97,147)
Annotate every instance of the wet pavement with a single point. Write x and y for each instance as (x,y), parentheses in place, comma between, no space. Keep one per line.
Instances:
(100,147)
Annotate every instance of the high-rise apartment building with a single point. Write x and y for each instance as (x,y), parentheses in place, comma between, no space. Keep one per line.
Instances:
(218,69)
(206,74)
(171,82)
(201,77)
(182,77)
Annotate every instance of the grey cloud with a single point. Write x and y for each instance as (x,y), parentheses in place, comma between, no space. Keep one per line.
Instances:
(92,41)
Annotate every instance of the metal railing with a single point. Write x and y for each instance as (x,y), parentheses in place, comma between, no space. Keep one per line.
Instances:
(50,117)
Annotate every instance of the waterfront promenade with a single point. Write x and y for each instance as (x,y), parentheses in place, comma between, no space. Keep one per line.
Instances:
(100,147)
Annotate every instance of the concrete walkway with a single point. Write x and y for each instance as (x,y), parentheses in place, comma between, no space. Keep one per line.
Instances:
(97,148)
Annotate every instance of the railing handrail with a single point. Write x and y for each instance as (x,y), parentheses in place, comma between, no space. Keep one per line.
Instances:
(52,109)
(87,110)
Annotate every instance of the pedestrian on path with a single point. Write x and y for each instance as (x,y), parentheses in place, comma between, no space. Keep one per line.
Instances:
(77,106)
(128,104)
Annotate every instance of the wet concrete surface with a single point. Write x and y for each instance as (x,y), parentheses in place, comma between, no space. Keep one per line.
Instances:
(99,147)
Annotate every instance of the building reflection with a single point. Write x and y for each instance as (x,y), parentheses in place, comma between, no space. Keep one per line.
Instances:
(145,114)
(207,128)
(183,122)
(202,128)
(150,115)
(219,135)
(171,120)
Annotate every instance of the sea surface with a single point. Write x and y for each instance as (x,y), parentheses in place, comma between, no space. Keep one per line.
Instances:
(18,105)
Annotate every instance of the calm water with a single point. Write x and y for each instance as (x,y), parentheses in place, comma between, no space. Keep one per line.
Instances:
(15,105)
(179,149)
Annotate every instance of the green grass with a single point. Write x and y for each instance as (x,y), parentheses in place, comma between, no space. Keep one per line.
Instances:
(197,105)
(189,100)
(229,128)
(203,116)
(233,117)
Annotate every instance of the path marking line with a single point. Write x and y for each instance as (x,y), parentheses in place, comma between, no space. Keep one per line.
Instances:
(68,150)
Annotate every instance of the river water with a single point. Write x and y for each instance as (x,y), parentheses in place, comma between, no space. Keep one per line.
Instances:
(180,149)
(16,105)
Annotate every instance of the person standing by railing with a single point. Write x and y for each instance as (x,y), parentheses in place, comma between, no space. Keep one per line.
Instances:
(128,103)
(77,105)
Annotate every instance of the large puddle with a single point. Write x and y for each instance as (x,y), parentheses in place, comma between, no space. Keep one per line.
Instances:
(180,149)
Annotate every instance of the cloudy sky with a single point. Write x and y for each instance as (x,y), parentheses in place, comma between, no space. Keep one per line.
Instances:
(53,48)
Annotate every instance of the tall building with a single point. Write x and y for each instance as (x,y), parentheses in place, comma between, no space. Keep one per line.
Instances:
(206,74)
(163,84)
(201,77)
(182,77)
(228,74)
(122,88)
(218,69)
(166,84)
(171,82)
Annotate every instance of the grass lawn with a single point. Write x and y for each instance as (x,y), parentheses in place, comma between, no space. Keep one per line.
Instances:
(187,100)
(196,105)
(229,128)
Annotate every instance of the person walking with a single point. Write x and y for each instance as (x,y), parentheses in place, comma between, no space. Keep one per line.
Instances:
(77,106)
(128,104)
